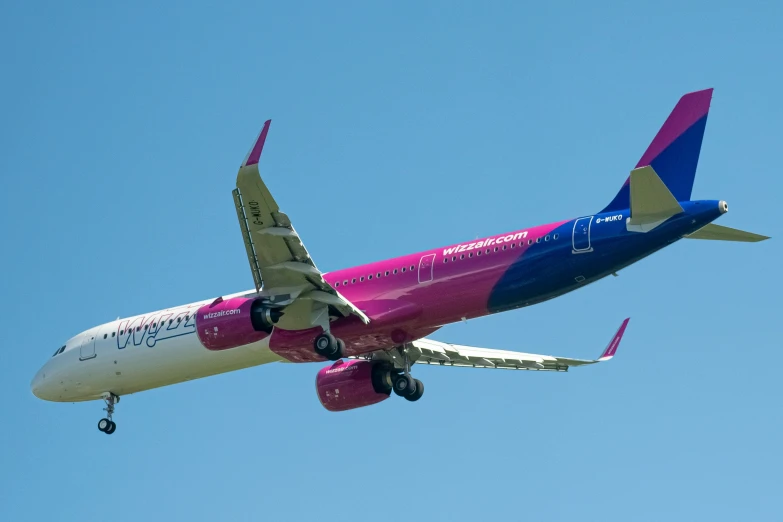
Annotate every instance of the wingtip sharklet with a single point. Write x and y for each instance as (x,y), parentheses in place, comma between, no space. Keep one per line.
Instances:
(611,348)
(258,146)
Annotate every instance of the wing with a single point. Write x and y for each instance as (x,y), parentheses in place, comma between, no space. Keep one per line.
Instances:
(444,354)
(278,259)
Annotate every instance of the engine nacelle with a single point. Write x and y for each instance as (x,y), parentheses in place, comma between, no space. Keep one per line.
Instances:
(346,385)
(234,322)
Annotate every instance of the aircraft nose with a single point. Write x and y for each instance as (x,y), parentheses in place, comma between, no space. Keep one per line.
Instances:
(41,387)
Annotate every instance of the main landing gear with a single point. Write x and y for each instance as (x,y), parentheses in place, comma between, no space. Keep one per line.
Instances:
(327,345)
(107,425)
(404,384)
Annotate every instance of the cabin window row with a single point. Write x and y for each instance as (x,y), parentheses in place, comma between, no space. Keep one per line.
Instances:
(378,275)
(504,247)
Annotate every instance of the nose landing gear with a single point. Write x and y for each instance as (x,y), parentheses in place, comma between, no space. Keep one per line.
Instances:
(106,425)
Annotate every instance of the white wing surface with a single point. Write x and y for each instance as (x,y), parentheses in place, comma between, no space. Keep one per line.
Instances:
(444,354)
(278,259)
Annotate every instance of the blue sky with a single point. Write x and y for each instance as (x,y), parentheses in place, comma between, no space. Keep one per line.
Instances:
(396,127)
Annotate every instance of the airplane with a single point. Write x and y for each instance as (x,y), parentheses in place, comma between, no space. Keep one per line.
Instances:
(374,321)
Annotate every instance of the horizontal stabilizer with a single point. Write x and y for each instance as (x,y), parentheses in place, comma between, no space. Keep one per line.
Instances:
(719,233)
(651,201)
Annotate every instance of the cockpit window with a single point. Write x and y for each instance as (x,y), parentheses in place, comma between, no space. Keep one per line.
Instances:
(59,351)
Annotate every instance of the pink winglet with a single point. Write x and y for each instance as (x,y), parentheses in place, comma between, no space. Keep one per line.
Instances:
(255,153)
(611,349)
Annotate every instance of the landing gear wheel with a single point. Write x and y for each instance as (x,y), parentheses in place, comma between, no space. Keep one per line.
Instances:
(326,345)
(404,385)
(106,425)
(417,393)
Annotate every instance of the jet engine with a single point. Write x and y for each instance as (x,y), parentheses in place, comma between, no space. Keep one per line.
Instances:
(346,385)
(229,323)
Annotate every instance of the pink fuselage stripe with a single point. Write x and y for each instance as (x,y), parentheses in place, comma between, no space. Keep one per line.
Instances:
(400,307)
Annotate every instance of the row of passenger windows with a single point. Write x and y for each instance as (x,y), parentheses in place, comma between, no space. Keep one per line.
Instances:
(138,329)
(445,260)
(377,276)
(504,247)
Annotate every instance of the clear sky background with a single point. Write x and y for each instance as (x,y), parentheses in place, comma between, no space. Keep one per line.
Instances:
(397,127)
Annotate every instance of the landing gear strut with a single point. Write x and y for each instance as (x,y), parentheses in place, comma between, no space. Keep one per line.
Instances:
(404,384)
(106,425)
(327,345)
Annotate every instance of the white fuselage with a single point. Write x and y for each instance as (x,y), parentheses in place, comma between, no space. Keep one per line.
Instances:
(131,355)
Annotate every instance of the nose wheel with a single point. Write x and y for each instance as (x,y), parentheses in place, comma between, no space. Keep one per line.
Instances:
(106,425)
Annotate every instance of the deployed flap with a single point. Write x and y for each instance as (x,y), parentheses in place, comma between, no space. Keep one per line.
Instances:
(651,201)
(719,233)
(444,354)
(278,259)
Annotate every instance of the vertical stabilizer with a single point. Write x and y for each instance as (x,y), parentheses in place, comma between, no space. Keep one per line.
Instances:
(674,153)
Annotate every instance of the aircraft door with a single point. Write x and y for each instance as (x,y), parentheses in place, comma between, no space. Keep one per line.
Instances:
(426,266)
(87,349)
(581,235)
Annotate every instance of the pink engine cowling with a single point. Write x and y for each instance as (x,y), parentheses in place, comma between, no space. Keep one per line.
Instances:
(346,385)
(234,322)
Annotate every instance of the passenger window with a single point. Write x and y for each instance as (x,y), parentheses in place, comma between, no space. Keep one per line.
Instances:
(171,321)
(122,332)
(538,240)
(353,280)
(478,253)
(454,258)
(445,259)
(395,271)
(403,270)
(345,282)
(361,279)
(529,241)
(105,336)
(138,328)
(496,249)
(504,247)
(513,245)
(412,267)
(386,273)
(369,276)
(145,326)
(487,252)
(555,237)
(546,238)
(337,283)
(470,255)
(112,334)
(462,256)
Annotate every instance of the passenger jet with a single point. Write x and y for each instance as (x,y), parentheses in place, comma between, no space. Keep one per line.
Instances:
(374,321)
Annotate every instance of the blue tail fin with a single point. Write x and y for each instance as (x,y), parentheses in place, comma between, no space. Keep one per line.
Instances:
(674,153)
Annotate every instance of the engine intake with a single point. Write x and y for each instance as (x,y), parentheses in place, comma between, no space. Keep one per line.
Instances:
(234,322)
(347,385)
